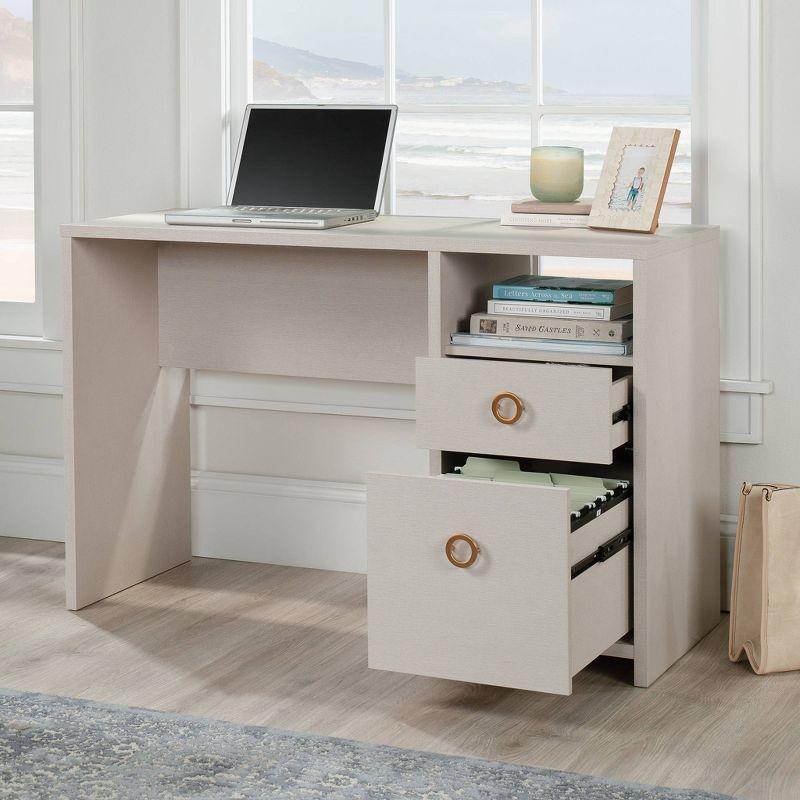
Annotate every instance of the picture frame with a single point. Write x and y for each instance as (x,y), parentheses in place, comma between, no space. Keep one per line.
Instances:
(634,178)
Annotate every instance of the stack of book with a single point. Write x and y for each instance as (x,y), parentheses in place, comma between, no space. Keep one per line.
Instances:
(535,213)
(537,312)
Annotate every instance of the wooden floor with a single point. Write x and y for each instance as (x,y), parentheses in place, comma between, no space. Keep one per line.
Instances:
(287,647)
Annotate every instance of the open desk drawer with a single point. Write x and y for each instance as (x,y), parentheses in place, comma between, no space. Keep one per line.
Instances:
(515,617)
(565,412)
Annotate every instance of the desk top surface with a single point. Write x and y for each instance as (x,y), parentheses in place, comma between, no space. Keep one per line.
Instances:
(432,234)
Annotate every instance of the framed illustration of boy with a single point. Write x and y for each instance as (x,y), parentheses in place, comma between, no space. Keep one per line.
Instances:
(634,178)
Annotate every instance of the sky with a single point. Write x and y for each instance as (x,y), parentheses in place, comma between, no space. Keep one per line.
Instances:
(590,46)
(20,8)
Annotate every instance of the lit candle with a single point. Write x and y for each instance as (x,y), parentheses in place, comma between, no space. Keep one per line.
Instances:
(556,174)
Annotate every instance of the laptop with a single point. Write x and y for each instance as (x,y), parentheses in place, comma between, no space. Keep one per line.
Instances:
(304,166)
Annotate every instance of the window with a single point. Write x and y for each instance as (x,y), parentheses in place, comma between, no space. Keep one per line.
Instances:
(17,257)
(478,84)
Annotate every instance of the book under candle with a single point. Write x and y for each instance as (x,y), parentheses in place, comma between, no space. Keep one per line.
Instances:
(546,220)
(580,207)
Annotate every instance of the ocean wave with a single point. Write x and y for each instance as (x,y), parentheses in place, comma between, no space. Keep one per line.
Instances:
(16,131)
(517,149)
(424,148)
(496,132)
(477,162)
(464,157)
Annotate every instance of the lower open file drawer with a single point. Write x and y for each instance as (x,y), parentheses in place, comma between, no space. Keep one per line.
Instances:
(515,617)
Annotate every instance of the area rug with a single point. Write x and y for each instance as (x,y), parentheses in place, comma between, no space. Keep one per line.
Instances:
(55,747)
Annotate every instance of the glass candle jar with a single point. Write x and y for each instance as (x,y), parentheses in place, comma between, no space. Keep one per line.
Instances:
(556,174)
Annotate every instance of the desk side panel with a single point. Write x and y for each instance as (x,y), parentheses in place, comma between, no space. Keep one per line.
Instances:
(126,425)
(676,456)
(313,312)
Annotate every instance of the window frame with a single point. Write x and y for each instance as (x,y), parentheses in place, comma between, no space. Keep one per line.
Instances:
(57,131)
(18,318)
(240,35)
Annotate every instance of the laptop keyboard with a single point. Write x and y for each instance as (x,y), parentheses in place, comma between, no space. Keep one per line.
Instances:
(282,210)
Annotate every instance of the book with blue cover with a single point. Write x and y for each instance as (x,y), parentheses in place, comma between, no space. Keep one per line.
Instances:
(560,289)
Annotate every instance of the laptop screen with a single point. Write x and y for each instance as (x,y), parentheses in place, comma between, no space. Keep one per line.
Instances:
(317,157)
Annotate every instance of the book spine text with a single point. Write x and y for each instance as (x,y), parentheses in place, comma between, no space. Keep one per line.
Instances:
(549,310)
(592,297)
(536,328)
(546,220)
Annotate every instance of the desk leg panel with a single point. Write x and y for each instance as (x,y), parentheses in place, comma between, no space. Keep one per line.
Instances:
(676,456)
(126,424)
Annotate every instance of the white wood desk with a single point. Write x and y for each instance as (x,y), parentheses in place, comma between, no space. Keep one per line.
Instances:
(145,302)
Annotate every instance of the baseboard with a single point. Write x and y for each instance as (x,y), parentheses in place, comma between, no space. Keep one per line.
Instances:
(297,523)
(301,523)
(32,497)
(727,542)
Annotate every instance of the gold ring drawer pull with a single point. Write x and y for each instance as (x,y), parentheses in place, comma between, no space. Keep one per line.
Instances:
(449,550)
(519,407)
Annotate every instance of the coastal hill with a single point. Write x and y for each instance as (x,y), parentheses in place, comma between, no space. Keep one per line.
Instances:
(313,69)
(305,64)
(269,82)
(16,58)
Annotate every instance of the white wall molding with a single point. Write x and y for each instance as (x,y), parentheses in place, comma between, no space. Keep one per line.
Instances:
(31,388)
(298,523)
(734,162)
(32,368)
(38,466)
(269,486)
(302,523)
(32,497)
(727,542)
(742,410)
(302,395)
(746,387)
(78,187)
(30,343)
(298,408)
(204,112)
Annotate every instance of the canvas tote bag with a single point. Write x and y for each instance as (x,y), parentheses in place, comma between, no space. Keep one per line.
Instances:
(765,598)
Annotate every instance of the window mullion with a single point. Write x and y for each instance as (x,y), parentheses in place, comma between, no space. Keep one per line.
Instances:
(459,108)
(390,94)
(536,70)
(595,111)
(588,111)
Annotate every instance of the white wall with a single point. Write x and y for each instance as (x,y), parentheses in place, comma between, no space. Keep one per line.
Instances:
(777,459)
(125,148)
(131,105)
(325,435)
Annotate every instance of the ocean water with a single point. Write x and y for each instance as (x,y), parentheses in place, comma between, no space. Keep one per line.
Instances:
(445,164)
(479,163)
(17,257)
